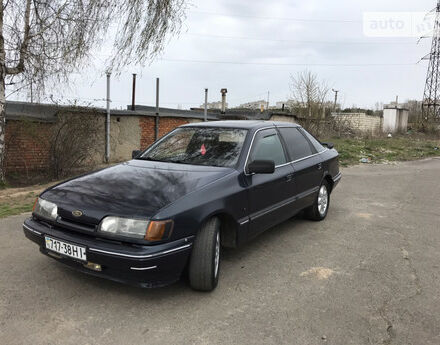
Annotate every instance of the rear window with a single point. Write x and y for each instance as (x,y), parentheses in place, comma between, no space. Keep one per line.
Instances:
(313,140)
(297,145)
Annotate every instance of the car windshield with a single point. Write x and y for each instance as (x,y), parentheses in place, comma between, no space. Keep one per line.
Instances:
(199,146)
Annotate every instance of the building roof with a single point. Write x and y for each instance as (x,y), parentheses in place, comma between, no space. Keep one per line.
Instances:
(244,124)
(48,112)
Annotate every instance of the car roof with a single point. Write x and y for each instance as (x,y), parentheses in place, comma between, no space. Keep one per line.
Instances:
(242,124)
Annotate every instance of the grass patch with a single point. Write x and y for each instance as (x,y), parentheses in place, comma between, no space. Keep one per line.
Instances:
(7,210)
(12,203)
(382,150)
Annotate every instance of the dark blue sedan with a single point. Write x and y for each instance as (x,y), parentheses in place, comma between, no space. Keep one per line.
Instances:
(173,206)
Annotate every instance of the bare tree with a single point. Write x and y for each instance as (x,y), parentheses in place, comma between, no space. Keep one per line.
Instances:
(309,92)
(42,40)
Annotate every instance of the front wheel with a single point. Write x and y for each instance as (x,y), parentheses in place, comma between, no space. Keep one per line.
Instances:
(205,257)
(318,211)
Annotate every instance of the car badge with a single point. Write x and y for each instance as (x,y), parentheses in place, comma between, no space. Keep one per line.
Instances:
(77,213)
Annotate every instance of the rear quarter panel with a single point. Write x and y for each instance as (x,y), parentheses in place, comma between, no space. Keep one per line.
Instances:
(330,160)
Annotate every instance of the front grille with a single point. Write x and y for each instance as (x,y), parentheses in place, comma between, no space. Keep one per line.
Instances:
(75,225)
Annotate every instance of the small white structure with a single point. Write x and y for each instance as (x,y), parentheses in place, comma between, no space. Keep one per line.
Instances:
(395,119)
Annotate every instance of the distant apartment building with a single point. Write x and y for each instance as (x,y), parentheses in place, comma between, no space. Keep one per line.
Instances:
(214,105)
(284,104)
(256,105)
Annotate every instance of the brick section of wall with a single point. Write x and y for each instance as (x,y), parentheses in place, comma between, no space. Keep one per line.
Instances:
(27,143)
(166,124)
(27,146)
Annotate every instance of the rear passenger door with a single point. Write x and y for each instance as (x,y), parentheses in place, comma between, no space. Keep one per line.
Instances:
(306,164)
(270,195)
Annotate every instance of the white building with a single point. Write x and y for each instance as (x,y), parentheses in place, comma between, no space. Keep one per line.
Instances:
(257,105)
(395,119)
(214,105)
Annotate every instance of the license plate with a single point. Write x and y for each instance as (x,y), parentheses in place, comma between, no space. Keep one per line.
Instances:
(66,249)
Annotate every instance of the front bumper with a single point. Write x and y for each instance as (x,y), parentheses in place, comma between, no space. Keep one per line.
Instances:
(144,266)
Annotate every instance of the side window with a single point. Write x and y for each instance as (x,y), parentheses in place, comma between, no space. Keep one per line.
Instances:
(313,140)
(267,146)
(297,145)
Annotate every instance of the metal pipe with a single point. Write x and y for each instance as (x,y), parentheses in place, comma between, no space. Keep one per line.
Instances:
(224,92)
(205,113)
(156,122)
(107,122)
(133,96)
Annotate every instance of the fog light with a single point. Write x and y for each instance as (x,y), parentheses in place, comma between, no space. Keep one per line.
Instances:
(92,266)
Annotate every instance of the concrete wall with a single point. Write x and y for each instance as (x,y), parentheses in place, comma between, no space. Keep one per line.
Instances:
(360,122)
(283,118)
(125,136)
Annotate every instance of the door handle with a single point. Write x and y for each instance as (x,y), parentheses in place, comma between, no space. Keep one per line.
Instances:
(289,177)
(319,166)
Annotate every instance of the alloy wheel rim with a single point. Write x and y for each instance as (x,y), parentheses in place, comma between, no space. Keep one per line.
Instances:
(322,200)
(217,254)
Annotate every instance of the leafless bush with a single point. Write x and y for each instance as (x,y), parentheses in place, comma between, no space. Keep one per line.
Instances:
(74,143)
(331,127)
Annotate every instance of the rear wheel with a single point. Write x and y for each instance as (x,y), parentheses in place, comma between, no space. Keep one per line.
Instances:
(204,264)
(318,211)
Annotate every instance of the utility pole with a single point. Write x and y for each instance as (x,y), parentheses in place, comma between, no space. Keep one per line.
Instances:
(205,112)
(156,124)
(107,122)
(431,96)
(268,94)
(133,96)
(336,98)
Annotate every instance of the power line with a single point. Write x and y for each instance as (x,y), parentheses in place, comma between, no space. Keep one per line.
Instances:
(290,41)
(306,20)
(288,64)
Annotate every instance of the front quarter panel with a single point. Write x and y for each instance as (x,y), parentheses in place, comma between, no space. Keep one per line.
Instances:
(224,196)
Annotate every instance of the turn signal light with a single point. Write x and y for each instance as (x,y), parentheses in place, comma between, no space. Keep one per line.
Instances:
(159,230)
(35,204)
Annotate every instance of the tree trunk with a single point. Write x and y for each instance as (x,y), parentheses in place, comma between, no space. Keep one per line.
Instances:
(2,100)
(2,127)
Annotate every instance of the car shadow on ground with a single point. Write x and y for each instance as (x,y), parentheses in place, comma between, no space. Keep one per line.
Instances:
(233,257)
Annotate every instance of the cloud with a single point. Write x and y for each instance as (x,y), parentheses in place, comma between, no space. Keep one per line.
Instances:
(277,32)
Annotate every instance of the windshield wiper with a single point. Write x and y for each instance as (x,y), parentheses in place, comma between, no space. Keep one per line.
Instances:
(149,159)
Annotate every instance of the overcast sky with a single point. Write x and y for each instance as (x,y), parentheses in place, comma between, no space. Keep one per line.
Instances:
(252,47)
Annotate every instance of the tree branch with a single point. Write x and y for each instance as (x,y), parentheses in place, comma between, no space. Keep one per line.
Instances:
(24,44)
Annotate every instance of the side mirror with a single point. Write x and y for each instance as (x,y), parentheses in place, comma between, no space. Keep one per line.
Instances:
(135,153)
(261,167)
(329,145)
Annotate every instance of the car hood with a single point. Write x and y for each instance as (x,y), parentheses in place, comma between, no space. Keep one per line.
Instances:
(133,189)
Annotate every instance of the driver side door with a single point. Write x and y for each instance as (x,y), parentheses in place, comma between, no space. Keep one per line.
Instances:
(270,195)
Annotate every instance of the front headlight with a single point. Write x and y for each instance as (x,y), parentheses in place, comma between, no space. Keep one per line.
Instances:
(136,228)
(45,209)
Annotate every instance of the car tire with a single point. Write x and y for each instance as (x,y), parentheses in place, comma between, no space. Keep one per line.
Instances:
(318,211)
(203,270)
